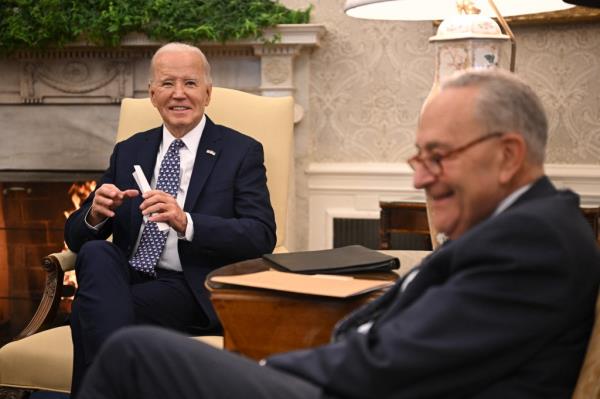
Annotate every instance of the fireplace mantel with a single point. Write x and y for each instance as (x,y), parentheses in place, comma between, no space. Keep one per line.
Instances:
(85,74)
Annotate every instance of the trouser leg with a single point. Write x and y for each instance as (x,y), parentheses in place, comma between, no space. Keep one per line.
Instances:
(102,303)
(149,362)
(111,296)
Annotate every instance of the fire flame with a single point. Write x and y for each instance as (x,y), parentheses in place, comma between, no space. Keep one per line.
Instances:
(78,193)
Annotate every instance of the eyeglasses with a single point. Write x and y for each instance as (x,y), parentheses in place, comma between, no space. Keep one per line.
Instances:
(433,163)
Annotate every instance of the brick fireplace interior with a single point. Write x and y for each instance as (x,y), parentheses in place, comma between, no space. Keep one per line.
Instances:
(32,218)
(31,226)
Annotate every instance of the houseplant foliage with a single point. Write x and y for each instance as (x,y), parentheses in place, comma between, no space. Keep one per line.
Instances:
(40,24)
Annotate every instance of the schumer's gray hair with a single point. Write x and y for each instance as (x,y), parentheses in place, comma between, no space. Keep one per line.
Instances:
(505,103)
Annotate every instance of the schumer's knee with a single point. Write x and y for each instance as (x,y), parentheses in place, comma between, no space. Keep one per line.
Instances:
(131,340)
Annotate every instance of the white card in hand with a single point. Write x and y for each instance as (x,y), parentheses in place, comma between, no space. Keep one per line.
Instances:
(142,182)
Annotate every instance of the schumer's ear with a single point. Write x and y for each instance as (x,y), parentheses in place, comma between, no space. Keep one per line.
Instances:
(513,156)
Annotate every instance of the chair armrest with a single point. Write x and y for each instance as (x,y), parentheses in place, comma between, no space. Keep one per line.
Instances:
(65,260)
(55,266)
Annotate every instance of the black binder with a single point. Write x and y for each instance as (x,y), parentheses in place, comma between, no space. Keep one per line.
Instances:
(350,259)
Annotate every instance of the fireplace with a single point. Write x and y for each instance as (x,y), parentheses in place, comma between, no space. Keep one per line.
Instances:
(32,218)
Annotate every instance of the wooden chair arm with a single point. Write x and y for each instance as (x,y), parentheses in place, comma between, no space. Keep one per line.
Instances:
(65,259)
(46,312)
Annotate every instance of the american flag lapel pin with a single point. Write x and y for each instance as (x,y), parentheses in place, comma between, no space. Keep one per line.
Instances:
(211,152)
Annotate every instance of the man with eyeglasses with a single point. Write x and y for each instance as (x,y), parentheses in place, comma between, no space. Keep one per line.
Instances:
(503,309)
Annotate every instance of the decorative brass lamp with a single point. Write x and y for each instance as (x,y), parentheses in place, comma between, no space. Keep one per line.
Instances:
(467,38)
(473,13)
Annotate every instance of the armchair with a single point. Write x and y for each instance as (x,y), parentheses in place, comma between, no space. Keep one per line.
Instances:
(40,358)
(588,383)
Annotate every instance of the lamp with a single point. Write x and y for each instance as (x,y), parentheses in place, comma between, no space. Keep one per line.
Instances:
(585,3)
(423,10)
(467,38)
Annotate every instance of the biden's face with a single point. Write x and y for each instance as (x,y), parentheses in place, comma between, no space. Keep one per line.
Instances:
(179,90)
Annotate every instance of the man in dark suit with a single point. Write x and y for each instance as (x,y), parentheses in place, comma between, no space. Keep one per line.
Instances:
(209,207)
(503,309)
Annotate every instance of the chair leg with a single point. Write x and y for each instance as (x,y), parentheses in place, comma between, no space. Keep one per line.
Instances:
(14,393)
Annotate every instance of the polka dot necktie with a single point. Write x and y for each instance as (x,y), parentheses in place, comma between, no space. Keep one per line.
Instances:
(153,240)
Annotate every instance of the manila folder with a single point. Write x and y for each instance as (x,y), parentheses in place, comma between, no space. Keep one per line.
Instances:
(315,284)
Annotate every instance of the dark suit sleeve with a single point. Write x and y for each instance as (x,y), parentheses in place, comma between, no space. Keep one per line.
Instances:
(511,292)
(77,232)
(251,232)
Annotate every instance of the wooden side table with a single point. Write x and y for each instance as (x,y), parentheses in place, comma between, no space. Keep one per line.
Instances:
(258,323)
(592,215)
(404,217)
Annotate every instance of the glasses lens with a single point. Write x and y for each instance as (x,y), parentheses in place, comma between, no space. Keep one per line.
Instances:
(433,166)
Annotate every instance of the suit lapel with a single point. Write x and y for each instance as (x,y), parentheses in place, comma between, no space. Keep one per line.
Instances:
(434,270)
(146,158)
(209,151)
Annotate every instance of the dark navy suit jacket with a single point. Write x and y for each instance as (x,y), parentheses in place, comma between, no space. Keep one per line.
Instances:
(227,199)
(504,311)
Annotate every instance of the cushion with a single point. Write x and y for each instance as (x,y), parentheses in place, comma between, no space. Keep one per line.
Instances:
(41,361)
(44,360)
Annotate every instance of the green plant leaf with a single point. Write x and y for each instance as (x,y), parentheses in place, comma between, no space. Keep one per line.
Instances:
(40,24)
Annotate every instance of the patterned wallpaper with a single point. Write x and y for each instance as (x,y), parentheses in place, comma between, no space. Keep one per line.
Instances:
(369,79)
(562,63)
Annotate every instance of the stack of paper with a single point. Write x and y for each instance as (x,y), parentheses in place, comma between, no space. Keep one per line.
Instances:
(316,284)
(142,182)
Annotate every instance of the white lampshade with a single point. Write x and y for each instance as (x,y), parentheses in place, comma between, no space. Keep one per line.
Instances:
(424,10)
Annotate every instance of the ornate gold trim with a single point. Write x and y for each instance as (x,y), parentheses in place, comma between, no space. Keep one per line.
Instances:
(571,15)
(576,14)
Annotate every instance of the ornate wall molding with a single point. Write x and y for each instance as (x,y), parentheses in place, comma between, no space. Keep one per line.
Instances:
(354,190)
(83,74)
(72,87)
(80,80)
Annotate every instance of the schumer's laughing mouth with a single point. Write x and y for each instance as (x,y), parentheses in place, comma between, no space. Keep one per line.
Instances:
(441,195)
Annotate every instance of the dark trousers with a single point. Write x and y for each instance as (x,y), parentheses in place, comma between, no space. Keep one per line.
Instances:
(150,362)
(111,295)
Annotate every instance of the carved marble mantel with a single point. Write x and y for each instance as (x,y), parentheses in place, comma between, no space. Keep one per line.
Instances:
(65,101)
(81,74)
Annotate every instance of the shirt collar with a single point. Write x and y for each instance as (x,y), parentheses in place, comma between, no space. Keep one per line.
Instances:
(191,139)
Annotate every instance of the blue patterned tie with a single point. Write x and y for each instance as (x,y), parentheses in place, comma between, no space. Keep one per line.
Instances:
(153,240)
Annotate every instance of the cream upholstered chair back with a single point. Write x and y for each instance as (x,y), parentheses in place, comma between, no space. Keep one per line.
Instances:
(270,120)
(43,360)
